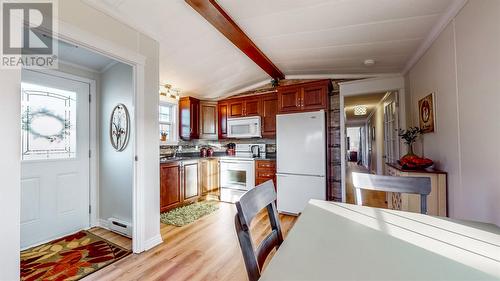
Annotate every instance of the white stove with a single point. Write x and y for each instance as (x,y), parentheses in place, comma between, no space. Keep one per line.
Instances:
(237,173)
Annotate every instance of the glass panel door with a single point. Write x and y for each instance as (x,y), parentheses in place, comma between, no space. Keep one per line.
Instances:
(48,123)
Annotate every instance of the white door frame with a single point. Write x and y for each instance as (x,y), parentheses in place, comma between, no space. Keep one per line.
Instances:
(71,34)
(368,86)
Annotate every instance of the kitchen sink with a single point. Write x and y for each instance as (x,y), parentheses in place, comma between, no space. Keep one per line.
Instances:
(171,158)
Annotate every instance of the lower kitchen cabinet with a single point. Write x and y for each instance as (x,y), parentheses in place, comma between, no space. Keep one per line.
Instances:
(265,170)
(209,170)
(179,184)
(170,186)
(190,181)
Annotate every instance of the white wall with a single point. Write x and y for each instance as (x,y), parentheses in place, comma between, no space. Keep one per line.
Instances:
(113,33)
(116,169)
(10,173)
(377,121)
(462,67)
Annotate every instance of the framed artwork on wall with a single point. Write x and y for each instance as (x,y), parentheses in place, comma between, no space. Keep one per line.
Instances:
(427,114)
(119,127)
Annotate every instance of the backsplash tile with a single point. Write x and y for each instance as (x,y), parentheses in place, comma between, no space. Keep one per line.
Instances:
(217,145)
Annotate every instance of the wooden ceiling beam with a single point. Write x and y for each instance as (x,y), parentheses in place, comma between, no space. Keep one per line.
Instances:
(215,15)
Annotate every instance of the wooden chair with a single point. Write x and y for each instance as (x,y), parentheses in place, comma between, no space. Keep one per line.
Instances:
(250,204)
(411,185)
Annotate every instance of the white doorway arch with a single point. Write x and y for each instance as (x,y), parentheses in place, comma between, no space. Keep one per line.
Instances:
(367,86)
(76,36)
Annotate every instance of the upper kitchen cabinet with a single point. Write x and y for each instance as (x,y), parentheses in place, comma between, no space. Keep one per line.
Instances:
(208,120)
(269,111)
(244,107)
(315,96)
(189,113)
(309,96)
(289,99)
(222,114)
(252,106)
(235,108)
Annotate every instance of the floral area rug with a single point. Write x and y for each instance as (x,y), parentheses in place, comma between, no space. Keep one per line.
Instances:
(69,258)
(188,214)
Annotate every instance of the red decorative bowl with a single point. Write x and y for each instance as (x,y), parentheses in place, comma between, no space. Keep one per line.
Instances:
(413,162)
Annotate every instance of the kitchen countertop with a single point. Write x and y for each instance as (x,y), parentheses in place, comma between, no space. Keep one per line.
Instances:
(192,156)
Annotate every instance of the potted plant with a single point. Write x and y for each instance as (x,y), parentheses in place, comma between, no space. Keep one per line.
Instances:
(410,136)
(163,135)
(410,160)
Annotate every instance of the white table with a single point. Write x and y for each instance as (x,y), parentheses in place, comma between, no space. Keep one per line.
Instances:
(335,241)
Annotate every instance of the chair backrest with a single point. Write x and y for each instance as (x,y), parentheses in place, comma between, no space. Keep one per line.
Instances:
(412,185)
(250,204)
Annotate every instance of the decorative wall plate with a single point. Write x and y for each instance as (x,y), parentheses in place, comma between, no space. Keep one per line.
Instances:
(119,127)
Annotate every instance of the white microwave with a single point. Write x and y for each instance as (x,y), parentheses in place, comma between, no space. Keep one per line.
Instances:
(245,127)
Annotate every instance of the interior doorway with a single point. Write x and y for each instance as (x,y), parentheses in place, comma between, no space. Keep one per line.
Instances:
(374,154)
(72,177)
(371,139)
(354,145)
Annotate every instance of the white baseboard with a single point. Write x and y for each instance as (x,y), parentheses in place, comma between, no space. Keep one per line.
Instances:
(103,223)
(155,241)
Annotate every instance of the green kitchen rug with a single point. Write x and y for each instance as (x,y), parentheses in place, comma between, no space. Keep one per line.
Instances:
(188,214)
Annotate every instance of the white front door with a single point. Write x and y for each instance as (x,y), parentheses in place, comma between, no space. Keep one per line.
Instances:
(55,157)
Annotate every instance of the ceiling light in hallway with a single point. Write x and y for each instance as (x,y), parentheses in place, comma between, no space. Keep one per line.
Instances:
(360,110)
(369,62)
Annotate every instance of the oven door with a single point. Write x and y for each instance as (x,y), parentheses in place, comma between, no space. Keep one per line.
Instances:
(237,174)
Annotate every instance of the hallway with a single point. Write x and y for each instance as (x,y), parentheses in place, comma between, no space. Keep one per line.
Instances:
(370,198)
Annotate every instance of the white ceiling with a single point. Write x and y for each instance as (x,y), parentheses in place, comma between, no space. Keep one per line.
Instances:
(300,37)
(336,36)
(81,57)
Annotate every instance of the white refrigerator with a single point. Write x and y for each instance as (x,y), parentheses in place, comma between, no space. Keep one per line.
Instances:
(301,160)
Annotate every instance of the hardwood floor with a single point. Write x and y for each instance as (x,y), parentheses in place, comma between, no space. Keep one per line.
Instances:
(112,237)
(207,249)
(370,198)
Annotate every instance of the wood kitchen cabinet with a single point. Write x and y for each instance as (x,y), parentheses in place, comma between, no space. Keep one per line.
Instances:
(208,120)
(265,170)
(209,178)
(222,114)
(170,186)
(289,99)
(252,106)
(190,181)
(235,108)
(189,112)
(265,106)
(244,107)
(310,96)
(179,184)
(269,111)
(315,96)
